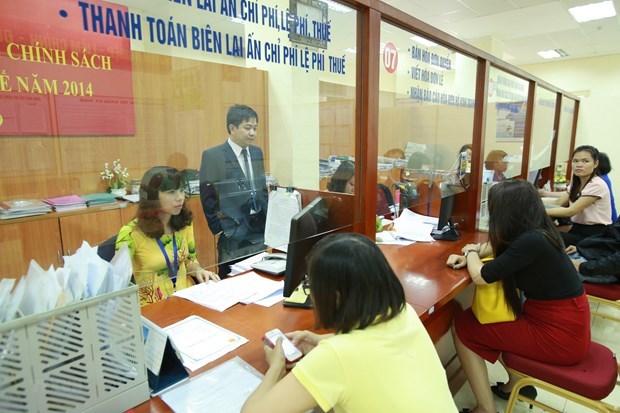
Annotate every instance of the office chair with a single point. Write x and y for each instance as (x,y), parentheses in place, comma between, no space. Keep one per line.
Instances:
(107,248)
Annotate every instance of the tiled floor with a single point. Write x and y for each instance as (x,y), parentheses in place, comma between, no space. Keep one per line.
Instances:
(604,331)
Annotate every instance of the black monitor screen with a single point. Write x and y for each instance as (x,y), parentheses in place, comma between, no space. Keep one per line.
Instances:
(445,228)
(445,211)
(306,228)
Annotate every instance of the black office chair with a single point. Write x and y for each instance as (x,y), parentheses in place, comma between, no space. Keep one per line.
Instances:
(107,248)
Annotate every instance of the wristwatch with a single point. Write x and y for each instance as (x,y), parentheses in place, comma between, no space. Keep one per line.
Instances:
(466,253)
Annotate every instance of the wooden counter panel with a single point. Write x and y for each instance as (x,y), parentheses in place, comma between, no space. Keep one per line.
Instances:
(421,268)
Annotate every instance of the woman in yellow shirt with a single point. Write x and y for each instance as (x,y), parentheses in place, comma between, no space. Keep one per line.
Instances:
(161,238)
(380,358)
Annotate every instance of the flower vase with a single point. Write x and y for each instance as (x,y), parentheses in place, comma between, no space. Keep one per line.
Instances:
(118,192)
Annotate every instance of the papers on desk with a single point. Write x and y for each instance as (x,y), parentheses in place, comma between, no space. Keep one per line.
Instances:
(222,389)
(247,288)
(414,227)
(245,265)
(200,341)
(391,237)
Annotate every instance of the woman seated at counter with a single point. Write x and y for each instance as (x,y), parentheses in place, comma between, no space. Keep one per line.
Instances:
(343,179)
(161,238)
(496,162)
(553,323)
(380,358)
(587,202)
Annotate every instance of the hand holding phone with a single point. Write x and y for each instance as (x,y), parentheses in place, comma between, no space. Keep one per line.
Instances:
(291,353)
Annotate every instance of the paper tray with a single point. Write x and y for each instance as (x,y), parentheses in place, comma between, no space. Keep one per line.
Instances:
(85,357)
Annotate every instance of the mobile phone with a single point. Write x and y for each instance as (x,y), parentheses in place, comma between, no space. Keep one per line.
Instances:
(291,353)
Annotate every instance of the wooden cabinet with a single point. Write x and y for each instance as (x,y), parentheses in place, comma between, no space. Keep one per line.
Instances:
(93,227)
(47,238)
(37,240)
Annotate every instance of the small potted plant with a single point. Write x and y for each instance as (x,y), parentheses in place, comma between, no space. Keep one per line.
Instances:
(117,178)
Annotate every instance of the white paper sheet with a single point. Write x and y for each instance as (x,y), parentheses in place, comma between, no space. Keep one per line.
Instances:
(226,293)
(245,265)
(200,341)
(414,227)
(222,389)
(272,299)
(391,237)
(283,206)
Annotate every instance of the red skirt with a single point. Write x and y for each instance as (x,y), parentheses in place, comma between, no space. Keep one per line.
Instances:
(550,331)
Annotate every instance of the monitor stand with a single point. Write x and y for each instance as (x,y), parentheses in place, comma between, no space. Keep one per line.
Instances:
(448,233)
(299,298)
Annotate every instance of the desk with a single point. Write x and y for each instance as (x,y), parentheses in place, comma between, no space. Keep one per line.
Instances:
(421,267)
(429,286)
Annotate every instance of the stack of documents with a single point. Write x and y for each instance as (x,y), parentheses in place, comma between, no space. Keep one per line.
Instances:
(414,227)
(66,203)
(23,208)
(246,289)
(85,275)
(99,199)
(246,265)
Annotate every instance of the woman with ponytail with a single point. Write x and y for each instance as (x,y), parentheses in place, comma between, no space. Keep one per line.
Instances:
(587,202)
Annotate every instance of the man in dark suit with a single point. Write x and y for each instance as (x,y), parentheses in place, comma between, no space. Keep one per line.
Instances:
(233,189)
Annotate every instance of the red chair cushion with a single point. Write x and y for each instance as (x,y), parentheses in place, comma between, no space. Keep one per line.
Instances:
(594,378)
(606,291)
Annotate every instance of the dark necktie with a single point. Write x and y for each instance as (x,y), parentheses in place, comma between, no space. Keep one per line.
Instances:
(248,173)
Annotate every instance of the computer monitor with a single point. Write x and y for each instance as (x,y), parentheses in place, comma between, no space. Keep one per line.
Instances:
(307,228)
(534,176)
(446,230)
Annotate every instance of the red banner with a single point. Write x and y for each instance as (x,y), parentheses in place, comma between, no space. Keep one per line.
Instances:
(56,78)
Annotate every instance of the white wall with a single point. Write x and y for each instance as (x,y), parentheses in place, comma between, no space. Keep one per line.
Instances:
(599,112)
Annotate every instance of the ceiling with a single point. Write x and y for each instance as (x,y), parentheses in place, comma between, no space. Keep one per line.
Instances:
(518,29)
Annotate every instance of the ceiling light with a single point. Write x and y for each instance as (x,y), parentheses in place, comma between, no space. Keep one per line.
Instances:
(593,11)
(552,54)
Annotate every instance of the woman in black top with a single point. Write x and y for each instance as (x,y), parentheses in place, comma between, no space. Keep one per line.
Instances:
(553,325)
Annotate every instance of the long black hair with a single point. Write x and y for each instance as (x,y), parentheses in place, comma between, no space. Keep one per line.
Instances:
(575,183)
(515,208)
(352,284)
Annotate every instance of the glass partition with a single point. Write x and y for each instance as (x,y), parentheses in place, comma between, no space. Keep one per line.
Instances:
(151,83)
(426,117)
(542,129)
(504,132)
(505,127)
(565,130)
